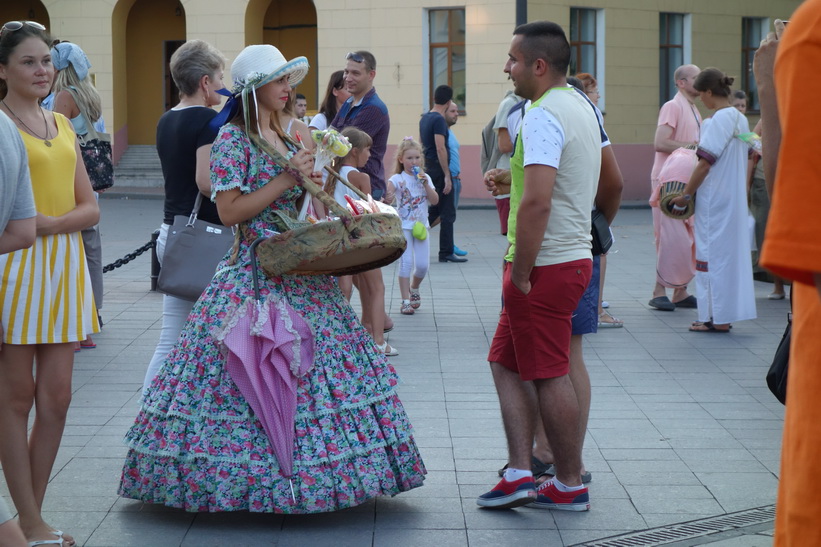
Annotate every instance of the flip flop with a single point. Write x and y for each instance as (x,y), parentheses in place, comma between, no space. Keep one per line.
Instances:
(606,320)
(88,346)
(707,326)
(587,476)
(58,541)
(537,466)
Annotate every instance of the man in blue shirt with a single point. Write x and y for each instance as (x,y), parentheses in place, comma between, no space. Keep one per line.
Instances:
(454,165)
(366,111)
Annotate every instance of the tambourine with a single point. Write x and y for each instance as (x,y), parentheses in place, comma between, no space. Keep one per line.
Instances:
(674,175)
(670,191)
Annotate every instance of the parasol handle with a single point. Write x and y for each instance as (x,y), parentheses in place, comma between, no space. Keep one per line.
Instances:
(252,252)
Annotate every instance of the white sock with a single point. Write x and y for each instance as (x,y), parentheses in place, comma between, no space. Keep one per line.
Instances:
(564,488)
(512,475)
(406,301)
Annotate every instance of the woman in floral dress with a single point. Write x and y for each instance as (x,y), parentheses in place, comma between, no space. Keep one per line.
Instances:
(196,444)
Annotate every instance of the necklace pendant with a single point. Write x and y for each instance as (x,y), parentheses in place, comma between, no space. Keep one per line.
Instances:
(47,143)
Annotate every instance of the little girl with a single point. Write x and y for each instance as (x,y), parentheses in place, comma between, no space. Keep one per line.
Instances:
(414,192)
(348,168)
(370,285)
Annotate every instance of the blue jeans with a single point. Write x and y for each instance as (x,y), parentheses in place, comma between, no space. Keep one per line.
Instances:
(457,189)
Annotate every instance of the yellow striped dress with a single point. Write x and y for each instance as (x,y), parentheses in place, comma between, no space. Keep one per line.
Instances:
(45,295)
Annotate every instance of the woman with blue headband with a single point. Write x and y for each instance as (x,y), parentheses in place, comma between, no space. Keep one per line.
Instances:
(76,98)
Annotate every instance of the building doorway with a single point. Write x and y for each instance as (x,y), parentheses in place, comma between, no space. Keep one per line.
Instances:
(172,92)
(26,10)
(154,29)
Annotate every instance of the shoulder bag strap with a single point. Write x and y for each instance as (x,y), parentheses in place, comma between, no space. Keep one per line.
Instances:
(197,204)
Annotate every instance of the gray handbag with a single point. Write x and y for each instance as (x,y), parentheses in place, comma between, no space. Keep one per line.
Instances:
(192,251)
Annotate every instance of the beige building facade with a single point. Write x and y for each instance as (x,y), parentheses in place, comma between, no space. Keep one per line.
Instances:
(630,46)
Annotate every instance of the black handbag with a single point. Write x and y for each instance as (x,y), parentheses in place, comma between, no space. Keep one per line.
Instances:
(600,230)
(96,151)
(192,251)
(777,375)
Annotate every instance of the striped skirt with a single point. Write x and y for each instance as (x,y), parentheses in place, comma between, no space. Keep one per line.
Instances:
(45,295)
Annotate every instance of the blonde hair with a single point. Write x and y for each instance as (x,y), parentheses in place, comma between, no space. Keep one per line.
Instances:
(359,141)
(84,92)
(407,144)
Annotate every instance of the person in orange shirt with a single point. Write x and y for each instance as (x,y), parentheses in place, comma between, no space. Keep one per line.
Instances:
(792,250)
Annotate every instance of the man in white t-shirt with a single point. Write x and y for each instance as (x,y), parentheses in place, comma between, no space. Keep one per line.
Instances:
(554,172)
(504,140)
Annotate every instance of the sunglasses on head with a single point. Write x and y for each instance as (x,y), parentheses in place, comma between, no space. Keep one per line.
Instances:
(12,26)
(355,57)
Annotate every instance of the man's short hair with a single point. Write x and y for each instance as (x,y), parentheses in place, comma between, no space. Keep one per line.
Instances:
(367,58)
(545,40)
(442,95)
(300,96)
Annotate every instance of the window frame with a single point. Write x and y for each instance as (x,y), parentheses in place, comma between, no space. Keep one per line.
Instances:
(747,55)
(598,45)
(687,55)
(449,46)
(577,45)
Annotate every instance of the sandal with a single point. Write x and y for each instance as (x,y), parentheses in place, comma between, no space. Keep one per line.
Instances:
(707,326)
(406,308)
(537,467)
(608,321)
(587,476)
(58,541)
(389,351)
(415,299)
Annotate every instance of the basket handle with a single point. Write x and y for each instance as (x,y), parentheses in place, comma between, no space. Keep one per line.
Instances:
(344,215)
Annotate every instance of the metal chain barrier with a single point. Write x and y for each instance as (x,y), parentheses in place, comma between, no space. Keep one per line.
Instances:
(129,257)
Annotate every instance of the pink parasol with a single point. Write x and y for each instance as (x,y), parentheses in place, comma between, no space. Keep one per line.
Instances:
(268,349)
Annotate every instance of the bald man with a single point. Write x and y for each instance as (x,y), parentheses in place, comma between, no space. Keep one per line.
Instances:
(679,125)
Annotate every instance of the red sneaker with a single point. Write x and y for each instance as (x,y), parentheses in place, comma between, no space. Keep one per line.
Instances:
(550,497)
(507,495)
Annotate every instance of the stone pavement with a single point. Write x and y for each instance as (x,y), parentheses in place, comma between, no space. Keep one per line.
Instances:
(682,426)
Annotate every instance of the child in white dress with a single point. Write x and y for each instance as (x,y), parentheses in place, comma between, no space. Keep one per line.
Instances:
(414,192)
(349,168)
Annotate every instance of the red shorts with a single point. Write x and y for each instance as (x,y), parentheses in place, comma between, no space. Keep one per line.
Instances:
(503,206)
(533,336)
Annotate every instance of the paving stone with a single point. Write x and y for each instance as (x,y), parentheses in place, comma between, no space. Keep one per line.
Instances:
(681,426)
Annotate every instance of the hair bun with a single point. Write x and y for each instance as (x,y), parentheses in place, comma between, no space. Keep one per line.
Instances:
(728,81)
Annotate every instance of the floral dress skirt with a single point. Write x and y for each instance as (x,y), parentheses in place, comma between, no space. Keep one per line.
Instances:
(197,445)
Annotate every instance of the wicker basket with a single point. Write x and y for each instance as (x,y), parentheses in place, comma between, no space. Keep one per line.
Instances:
(349,245)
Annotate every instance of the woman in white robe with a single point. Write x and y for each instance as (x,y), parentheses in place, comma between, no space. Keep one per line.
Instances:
(724,278)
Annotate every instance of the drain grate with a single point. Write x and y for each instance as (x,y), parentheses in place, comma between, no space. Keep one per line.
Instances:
(665,535)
